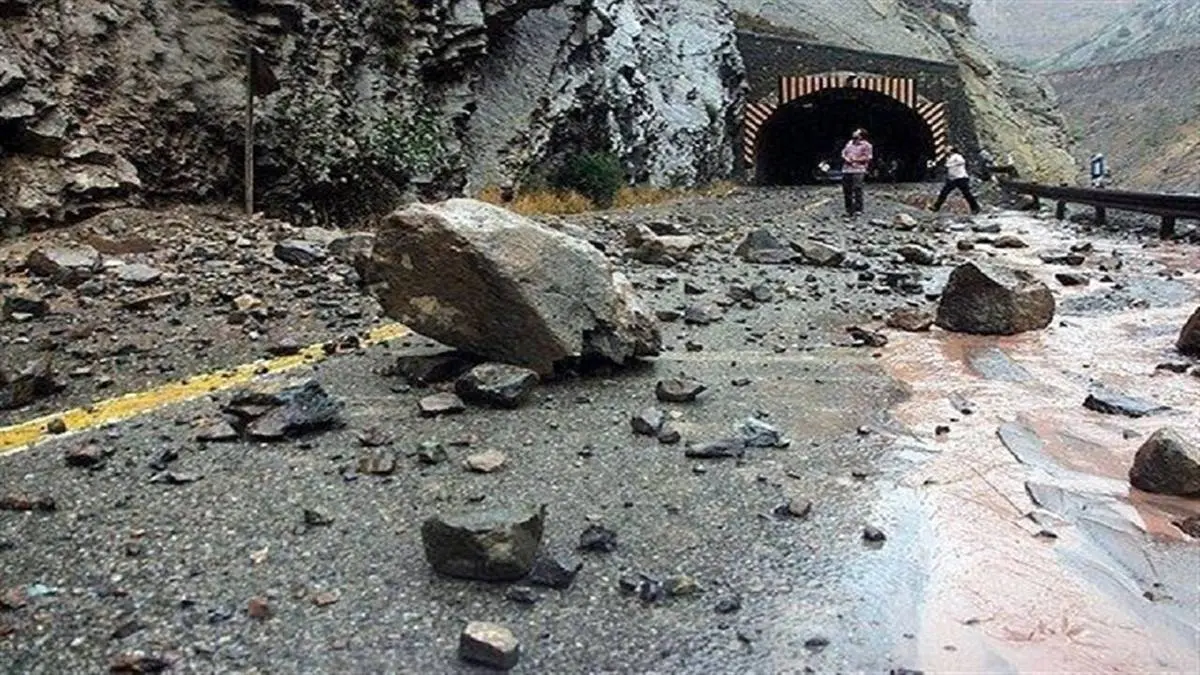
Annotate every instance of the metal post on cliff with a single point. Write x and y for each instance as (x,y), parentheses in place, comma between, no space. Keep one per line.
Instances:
(260,81)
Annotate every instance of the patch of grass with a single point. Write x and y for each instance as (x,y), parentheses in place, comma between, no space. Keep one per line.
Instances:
(546,201)
(598,176)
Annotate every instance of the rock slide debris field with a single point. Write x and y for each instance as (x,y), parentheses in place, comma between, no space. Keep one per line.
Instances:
(814,471)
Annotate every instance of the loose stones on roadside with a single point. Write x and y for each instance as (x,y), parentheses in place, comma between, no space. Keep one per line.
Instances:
(294,410)
(762,247)
(444,403)
(497,384)
(818,253)
(489,461)
(64,265)
(598,539)
(490,545)
(300,252)
(1167,463)
(648,422)
(489,644)
(1189,338)
(911,320)
(554,571)
(988,300)
(678,390)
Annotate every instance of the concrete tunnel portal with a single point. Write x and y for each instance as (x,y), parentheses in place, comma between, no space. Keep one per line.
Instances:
(806,124)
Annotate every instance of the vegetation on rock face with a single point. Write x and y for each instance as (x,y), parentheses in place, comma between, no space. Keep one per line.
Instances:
(595,175)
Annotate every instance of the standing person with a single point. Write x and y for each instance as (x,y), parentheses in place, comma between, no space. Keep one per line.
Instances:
(956,178)
(856,157)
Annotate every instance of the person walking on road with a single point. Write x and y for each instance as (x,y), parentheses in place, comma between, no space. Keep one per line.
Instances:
(956,178)
(856,157)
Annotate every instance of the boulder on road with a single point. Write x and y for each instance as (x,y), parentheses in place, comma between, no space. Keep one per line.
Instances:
(648,247)
(1189,338)
(987,300)
(495,284)
(1167,463)
(492,545)
(760,246)
(817,253)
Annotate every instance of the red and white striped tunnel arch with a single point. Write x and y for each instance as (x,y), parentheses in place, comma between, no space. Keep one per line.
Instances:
(791,88)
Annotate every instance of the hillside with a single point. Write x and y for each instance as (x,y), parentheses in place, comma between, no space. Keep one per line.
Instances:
(1029,31)
(1137,113)
(1148,28)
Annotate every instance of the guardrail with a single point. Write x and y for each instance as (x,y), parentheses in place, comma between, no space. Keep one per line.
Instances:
(1169,207)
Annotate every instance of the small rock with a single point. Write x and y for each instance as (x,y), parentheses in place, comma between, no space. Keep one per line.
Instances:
(441,404)
(299,252)
(678,390)
(916,254)
(175,478)
(1167,463)
(794,508)
(431,453)
(377,463)
(866,338)
(816,253)
(668,315)
(816,643)
(522,595)
(873,534)
(489,644)
(65,266)
(426,369)
(139,662)
(258,608)
(1009,241)
(648,422)
(17,502)
(700,315)
(719,449)
(904,222)
(1072,278)
(317,518)
(681,586)
(756,433)
(555,571)
(692,288)
(85,456)
(669,435)
(489,461)
(728,604)
(1062,258)
(760,246)
(56,426)
(292,411)
(284,347)
(1189,338)
(491,545)
(374,437)
(137,274)
(497,384)
(1114,403)
(598,539)
(911,320)
(217,432)
(24,304)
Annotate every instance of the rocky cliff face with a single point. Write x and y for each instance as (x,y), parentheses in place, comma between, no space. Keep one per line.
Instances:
(109,102)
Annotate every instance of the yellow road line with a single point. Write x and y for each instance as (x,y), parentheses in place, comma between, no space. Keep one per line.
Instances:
(18,437)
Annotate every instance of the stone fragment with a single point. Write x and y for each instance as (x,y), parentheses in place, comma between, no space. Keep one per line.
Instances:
(139,662)
(1111,402)
(317,518)
(1009,241)
(493,283)
(137,274)
(377,463)
(648,422)
(1189,338)
(64,265)
(904,222)
(701,315)
(522,595)
(421,370)
(489,461)
(258,608)
(19,502)
(866,338)
(36,380)
(489,644)
(1072,278)
(86,456)
(444,403)
(326,598)
(491,545)
(294,410)
(917,254)
(28,305)
(988,300)
(669,435)
(720,449)
(219,431)
(911,320)
(681,586)
(300,252)
(678,390)
(598,539)
(1062,258)
(817,253)
(756,433)
(431,453)
(1167,463)
(497,384)
(873,534)
(554,571)
(760,246)
(794,507)
(655,249)
(728,604)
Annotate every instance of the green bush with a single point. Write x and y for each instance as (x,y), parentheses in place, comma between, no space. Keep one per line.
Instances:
(596,175)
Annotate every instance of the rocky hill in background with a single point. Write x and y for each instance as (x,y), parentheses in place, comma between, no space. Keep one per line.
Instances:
(121,102)
(1030,31)
(1149,27)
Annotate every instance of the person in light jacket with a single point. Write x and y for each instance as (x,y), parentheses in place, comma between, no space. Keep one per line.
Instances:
(856,157)
(956,179)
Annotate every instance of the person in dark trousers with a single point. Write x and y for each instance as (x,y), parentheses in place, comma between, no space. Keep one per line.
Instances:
(856,157)
(956,178)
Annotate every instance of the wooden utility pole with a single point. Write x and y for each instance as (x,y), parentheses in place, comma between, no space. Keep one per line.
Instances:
(249,149)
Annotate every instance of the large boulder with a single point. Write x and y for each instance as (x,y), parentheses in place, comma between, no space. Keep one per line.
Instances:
(492,545)
(496,284)
(988,300)
(1189,338)
(1167,463)
(64,265)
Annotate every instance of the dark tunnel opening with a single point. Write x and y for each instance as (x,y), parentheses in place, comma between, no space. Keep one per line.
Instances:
(812,129)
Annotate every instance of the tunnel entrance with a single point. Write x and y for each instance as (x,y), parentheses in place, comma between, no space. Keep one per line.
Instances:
(801,134)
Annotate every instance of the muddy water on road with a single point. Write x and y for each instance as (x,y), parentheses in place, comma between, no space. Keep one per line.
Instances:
(1037,555)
